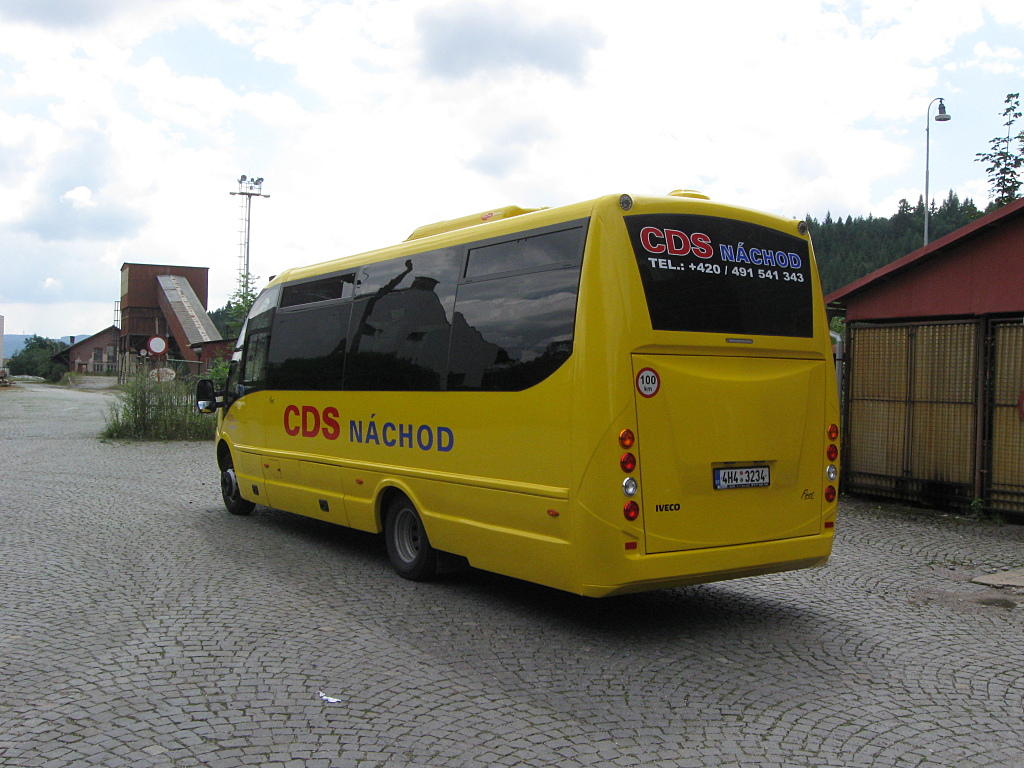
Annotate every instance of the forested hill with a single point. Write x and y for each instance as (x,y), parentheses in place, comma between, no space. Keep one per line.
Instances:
(852,247)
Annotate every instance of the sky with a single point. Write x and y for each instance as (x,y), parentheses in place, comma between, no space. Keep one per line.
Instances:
(125,124)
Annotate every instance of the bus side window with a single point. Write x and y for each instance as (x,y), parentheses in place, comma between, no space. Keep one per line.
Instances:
(255,374)
(254,355)
(307,346)
(401,323)
(551,250)
(323,289)
(513,332)
(231,386)
(516,311)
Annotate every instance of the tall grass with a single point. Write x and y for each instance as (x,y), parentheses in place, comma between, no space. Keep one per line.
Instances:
(157,410)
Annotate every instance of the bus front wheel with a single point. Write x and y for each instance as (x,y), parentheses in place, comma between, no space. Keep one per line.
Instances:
(233,500)
(409,550)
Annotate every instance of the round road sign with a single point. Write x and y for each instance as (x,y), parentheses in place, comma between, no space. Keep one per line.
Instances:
(156,345)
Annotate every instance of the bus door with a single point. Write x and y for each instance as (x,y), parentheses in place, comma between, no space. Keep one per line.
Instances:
(303,417)
(244,422)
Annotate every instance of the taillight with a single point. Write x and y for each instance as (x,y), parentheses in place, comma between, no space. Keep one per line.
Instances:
(831,470)
(630,486)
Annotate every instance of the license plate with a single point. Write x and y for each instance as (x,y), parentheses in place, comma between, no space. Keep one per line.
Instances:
(742,477)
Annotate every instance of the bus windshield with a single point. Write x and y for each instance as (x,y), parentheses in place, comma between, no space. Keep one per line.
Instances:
(716,275)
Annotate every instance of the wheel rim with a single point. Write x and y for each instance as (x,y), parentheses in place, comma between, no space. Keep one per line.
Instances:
(408,535)
(228,484)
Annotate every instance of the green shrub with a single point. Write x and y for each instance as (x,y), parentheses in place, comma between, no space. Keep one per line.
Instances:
(34,359)
(147,409)
(218,372)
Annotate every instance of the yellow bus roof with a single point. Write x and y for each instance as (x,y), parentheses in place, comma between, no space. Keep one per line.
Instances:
(509,219)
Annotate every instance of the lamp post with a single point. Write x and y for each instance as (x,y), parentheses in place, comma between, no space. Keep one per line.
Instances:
(941,117)
(249,187)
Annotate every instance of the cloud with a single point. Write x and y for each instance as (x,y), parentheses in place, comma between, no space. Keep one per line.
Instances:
(1001,60)
(13,162)
(67,221)
(37,271)
(79,197)
(193,50)
(61,13)
(68,208)
(463,39)
(509,148)
(54,320)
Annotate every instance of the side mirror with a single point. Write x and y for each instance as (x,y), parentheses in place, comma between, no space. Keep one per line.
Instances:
(206,396)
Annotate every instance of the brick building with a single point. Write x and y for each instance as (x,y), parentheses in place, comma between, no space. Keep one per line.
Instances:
(169,302)
(93,354)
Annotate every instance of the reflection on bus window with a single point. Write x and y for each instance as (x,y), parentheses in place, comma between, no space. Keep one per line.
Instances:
(547,251)
(324,289)
(411,325)
(513,332)
(401,323)
(307,348)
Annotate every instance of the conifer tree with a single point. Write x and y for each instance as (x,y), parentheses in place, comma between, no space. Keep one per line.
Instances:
(1005,157)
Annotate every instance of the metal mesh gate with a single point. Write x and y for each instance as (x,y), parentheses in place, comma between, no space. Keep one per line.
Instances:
(1005,486)
(934,413)
(912,411)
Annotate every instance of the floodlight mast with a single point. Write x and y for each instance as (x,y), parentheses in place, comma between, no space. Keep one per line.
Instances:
(248,187)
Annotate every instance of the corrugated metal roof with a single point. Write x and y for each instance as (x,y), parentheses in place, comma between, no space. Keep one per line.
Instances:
(188,309)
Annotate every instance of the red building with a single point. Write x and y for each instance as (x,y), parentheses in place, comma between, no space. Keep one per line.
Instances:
(169,303)
(934,392)
(93,354)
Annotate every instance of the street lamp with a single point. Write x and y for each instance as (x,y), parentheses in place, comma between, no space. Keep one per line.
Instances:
(250,187)
(941,117)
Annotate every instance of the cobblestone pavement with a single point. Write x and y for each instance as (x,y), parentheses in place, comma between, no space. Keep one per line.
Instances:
(141,625)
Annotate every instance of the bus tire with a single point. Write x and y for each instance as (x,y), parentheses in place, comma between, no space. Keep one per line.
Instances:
(406,540)
(233,501)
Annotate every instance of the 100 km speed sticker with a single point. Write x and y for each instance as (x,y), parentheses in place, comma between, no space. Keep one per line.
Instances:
(648,382)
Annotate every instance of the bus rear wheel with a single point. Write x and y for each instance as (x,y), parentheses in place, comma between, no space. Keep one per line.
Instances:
(409,550)
(233,500)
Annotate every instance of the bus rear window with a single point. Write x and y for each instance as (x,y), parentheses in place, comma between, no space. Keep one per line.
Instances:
(715,275)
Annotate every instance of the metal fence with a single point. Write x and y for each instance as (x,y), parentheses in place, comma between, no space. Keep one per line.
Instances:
(130,365)
(1005,444)
(932,413)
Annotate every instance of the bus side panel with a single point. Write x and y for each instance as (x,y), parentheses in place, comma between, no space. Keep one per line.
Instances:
(307,488)
(518,536)
(513,544)
(487,471)
(243,428)
(602,406)
(249,474)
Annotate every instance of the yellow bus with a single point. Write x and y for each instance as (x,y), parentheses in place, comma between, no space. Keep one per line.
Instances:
(607,397)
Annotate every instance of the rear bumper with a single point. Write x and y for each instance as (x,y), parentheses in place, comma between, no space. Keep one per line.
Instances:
(640,573)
